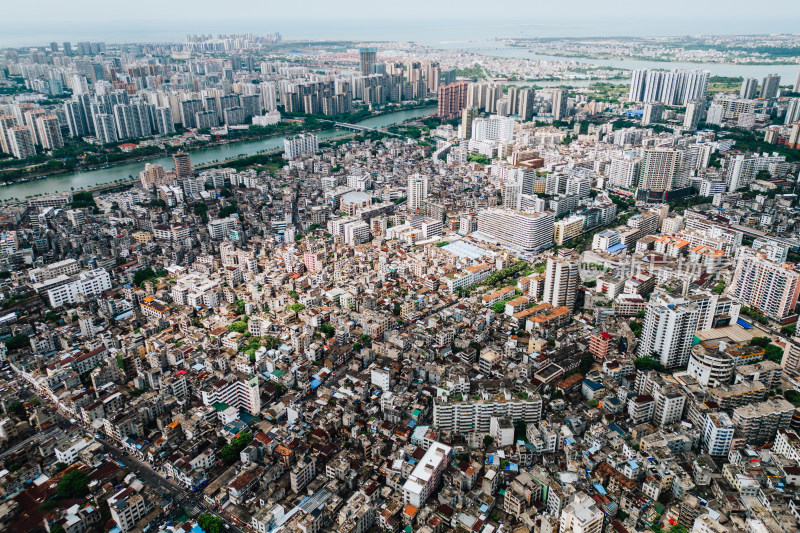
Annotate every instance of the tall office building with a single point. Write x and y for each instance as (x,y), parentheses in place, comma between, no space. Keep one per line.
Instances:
(452,100)
(105,128)
(670,88)
(298,144)
(791,356)
(715,114)
(189,109)
(467,117)
(183,165)
(131,121)
(75,121)
(796,87)
(449,76)
(624,173)
(512,96)
(792,111)
(673,86)
(694,111)
(163,121)
(20,142)
(494,92)
(696,86)
(636,91)
(652,86)
(562,278)
(417,191)
(6,123)
(494,128)
(524,103)
(49,132)
(743,168)
(668,332)
(367,58)
(413,71)
(770,86)
(748,89)
(560,103)
(652,113)
(433,77)
(770,288)
(660,169)
(511,192)
(269,101)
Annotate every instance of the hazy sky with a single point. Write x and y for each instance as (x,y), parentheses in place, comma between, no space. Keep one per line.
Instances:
(508,10)
(361,19)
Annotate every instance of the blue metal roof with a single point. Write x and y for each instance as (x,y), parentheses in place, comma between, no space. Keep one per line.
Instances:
(744,323)
(616,248)
(592,384)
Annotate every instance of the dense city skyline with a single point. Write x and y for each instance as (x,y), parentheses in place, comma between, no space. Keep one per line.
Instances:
(474,268)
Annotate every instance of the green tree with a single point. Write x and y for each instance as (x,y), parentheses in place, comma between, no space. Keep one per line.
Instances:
(499,307)
(82,199)
(74,484)
(761,342)
(677,528)
(487,441)
(586,364)
(201,209)
(143,275)
(773,353)
(327,330)
(228,210)
(210,523)
(792,396)
(18,342)
(647,363)
(239,326)
(230,452)
(271,342)
(18,409)
(48,505)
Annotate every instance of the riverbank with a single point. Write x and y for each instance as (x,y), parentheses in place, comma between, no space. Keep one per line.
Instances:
(55,166)
(213,155)
(130,182)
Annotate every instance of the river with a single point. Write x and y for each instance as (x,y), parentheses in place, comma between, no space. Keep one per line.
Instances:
(788,73)
(90,178)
